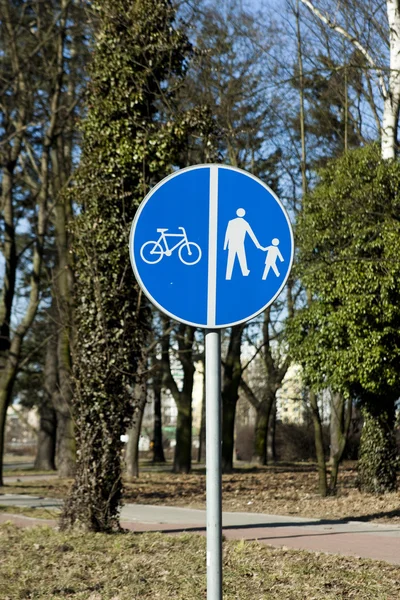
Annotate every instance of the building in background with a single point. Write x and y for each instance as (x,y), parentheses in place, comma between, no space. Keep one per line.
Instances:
(22,426)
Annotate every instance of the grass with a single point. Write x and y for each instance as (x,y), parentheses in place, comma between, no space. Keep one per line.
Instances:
(46,488)
(282,489)
(19,472)
(28,511)
(10,458)
(44,564)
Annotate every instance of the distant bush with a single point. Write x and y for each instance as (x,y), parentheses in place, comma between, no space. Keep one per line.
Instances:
(292,442)
(296,441)
(244,443)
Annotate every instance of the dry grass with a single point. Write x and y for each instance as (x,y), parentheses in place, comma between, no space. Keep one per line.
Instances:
(45,488)
(28,511)
(284,489)
(43,564)
(21,472)
(11,458)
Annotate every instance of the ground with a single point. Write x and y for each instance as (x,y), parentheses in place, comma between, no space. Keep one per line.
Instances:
(290,489)
(48,565)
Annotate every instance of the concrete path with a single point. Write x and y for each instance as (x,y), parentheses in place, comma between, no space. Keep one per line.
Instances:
(351,538)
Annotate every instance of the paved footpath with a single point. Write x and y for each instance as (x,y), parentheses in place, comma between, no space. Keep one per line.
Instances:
(349,538)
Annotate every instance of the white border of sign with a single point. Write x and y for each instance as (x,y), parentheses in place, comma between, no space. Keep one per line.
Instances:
(212,205)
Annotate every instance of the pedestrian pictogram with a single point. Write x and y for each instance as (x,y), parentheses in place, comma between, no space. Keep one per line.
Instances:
(273,253)
(211,246)
(234,243)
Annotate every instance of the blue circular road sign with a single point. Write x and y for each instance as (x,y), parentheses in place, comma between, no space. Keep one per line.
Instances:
(211,246)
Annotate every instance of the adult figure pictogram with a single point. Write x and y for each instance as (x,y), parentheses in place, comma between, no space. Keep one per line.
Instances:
(273,253)
(235,236)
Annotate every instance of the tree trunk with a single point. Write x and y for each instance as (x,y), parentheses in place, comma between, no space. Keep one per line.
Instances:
(6,297)
(263,413)
(132,449)
(271,450)
(390,118)
(230,393)
(62,298)
(4,402)
(183,398)
(228,428)
(378,453)
(183,447)
(303,163)
(336,423)
(339,429)
(65,447)
(55,393)
(319,444)
(66,450)
(201,456)
(46,448)
(275,372)
(9,256)
(158,449)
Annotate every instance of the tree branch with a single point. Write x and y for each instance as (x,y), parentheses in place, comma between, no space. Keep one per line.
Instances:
(352,39)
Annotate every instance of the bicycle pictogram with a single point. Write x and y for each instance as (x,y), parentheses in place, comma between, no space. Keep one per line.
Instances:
(153,251)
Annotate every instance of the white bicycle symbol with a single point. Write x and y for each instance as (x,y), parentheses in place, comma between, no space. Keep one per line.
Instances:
(153,251)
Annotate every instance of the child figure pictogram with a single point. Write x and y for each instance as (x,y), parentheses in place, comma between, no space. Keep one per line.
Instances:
(273,253)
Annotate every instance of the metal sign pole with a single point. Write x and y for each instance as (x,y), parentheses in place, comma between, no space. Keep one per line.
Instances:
(213,464)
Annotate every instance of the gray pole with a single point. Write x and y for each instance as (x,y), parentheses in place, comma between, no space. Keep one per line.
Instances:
(213,464)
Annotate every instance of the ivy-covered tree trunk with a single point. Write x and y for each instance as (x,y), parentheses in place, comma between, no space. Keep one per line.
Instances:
(65,442)
(127,145)
(378,458)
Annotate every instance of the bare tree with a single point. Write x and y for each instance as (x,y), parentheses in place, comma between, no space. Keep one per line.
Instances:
(31,103)
(184,336)
(387,79)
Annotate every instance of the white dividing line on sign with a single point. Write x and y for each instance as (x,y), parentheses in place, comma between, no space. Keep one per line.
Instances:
(212,248)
